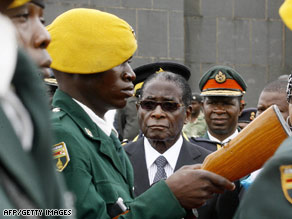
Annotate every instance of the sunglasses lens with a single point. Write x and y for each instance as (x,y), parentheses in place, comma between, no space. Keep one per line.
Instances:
(169,106)
(166,106)
(148,105)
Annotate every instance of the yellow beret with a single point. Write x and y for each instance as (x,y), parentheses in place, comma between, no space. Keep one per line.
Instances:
(87,41)
(17,3)
(285,12)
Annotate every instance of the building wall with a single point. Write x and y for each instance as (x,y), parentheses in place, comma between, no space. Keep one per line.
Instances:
(247,35)
(158,24)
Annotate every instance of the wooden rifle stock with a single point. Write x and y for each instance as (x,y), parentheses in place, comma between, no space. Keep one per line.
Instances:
(251,148)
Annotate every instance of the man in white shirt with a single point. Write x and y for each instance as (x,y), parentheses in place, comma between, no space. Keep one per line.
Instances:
(222,89)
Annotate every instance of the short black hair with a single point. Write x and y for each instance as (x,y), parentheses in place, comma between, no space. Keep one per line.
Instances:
(278,86)
(174,78)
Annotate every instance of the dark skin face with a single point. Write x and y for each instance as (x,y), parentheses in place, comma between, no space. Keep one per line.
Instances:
(290,113)
(162,128)
(102,91)
(221,115)
(29,22)
(196,108)
(268,99)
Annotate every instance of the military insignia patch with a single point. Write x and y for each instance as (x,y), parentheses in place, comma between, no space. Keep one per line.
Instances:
(220,77)
(252,116)
(286,181)
(60,154)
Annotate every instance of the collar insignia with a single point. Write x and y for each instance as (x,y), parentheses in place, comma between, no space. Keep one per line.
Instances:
(89,132)
(60,154)
(286,181)
(252,116)
(220,77)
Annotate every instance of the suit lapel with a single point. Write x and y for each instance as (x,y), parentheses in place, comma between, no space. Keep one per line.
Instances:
(137,157)
(188,155)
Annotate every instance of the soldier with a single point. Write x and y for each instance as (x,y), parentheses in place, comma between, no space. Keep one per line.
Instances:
(196,125)
(27,176)
(91,52)
(222,89)
(274,93)
(28,18)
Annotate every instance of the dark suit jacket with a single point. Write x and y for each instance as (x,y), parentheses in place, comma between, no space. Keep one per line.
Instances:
(220,207)
(189,154)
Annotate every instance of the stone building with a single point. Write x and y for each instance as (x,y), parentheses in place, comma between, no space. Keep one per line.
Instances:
(247,35)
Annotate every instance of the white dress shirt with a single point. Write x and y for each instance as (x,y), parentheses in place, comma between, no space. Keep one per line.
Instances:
(103,124)
(212,138)
(171,156)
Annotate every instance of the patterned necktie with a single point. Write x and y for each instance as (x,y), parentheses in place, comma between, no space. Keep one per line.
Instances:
(160,174)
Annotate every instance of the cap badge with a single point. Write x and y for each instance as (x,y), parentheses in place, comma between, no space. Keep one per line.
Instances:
(252,116)
(220,77)
(160,70)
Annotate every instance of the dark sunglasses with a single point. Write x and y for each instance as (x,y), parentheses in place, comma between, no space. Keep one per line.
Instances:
(168,106)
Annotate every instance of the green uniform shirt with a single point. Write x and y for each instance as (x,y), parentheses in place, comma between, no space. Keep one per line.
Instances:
(31,174)
(99,171)
(270,195)
(197,128)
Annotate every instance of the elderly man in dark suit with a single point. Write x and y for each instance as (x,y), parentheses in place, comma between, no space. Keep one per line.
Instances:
(163,106)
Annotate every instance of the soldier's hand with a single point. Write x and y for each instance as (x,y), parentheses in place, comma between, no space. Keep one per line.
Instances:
(193,186)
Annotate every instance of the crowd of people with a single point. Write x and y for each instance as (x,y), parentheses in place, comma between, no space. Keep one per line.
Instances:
(60,157)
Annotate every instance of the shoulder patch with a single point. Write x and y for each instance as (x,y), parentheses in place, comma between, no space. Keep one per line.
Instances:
(60,154)
(286,181)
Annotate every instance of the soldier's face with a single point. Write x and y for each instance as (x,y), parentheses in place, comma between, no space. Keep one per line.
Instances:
(196,106)
(221,114)
(107,90)
(159,123)
(29,22)
(267,99)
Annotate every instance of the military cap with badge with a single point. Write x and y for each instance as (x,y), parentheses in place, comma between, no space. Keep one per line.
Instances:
(222,81)
(247,116)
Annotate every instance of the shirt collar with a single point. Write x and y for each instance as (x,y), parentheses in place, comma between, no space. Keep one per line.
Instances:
(212,138)
(104,125)
(171,154)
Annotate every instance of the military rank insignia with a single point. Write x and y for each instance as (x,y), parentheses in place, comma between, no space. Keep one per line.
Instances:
(60,154)
(220,77)
(286,181)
